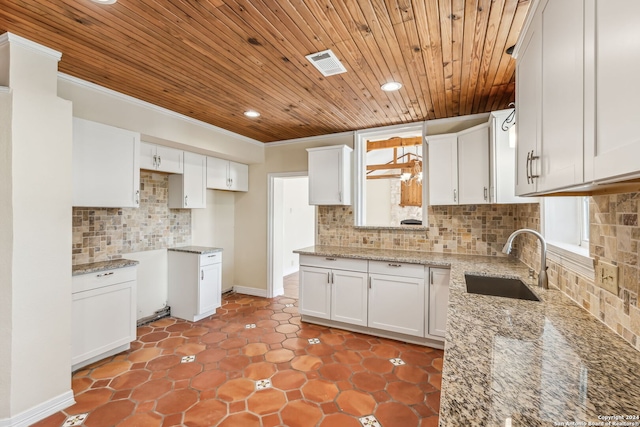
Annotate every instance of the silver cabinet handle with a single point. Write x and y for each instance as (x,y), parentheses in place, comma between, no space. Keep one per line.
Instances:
(186,200)
(532,159)
(332,277)
(159,161)
(330,259)
(328,277)
(211,256)
(137,201)
(155,161)
(201,274)
(395,265)
(105,274)
(369,282)
(455,195)
(431,277)
(528,168)
(485,194)
(340,196)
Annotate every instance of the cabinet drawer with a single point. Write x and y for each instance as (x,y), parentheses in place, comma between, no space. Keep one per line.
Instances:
(401,269)
(213,258)
(334,263)
(86,282)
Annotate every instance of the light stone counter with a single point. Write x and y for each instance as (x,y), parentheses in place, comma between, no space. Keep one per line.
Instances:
(522,363)
(95,267)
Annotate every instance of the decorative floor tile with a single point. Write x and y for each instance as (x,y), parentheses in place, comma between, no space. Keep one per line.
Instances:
(75,420)
(250,326)
(397,361)
(263,384)
(288,305)
(369,421)
(314,341)
(188,359)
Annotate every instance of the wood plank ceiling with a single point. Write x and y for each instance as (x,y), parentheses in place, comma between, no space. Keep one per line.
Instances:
(214,59)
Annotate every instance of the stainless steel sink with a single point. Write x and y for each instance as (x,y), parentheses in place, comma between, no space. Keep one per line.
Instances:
(499,287)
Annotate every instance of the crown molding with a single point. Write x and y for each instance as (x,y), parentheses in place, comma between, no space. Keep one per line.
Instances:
(309,139)
(145,104)
(10,38)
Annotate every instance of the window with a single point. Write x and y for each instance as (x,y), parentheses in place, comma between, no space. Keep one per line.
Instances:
(565,224)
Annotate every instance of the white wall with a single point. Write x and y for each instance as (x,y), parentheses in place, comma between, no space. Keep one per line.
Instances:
(378,199)
(298,220)
(215,226)
(36,291)
(278,236)
(251,207)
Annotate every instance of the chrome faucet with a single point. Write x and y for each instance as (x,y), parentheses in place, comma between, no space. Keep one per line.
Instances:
(543,280)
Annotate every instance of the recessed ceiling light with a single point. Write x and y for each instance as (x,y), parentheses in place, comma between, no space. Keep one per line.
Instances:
(104,1)
(391,86)
(252,114)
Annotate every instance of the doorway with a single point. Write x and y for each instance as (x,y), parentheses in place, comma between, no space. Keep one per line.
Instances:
(291,225)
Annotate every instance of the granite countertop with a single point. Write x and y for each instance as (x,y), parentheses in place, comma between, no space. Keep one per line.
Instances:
(94,267)
(522,363)
(202,250)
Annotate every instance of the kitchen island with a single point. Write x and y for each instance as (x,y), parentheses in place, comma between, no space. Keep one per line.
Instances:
(517,363)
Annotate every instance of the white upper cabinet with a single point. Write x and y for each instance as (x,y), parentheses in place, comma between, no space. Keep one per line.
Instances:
(160,158)
(106,168)
(443,169)
(575,124)
(528,109)
(459,167)
(189,189)
(612,68)
(561,155)
(227,175)
(330,175)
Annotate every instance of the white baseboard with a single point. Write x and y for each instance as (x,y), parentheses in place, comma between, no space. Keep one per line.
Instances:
(40,412)
(248,291)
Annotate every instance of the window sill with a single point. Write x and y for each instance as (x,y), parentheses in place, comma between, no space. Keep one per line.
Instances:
(573,257)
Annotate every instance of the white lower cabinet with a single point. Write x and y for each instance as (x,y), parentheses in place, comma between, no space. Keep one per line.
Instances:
(375,295)
(438,301)
(334,288)
(396,297)
(195,284)
(103,320)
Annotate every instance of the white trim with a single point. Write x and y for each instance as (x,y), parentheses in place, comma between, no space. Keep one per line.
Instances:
(28,44)
(466,118)
(41,411)
(574,258)
(157,108)
(533,6)
(308,139)
(245,290)
(271,177)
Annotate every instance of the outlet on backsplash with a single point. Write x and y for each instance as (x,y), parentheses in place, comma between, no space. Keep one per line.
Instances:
(607,276)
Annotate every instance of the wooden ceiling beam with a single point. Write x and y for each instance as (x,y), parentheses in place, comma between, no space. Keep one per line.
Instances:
(395,142)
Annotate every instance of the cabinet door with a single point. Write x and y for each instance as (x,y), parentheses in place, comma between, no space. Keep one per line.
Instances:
(349,297)
(315,292)
(328,176)
(169,159)
(617,61)
(561,161)
(147,156)
(102,319)
(528,111)
(438,300)
(194,176)
(217,174)
(106,167)
(238,177)
(209,288)
(443,169)
(397,304)
(473,165)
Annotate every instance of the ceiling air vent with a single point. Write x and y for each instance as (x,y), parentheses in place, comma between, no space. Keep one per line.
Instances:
(327,63)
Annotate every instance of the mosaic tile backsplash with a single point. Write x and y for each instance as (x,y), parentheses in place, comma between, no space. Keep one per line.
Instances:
(102,234)
(469,229)
(614,237)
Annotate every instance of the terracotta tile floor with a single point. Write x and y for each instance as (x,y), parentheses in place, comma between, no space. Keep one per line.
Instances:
(252,364)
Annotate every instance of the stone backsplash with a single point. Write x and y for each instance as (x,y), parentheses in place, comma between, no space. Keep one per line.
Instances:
(469,229)
(614,237)
(101,234)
